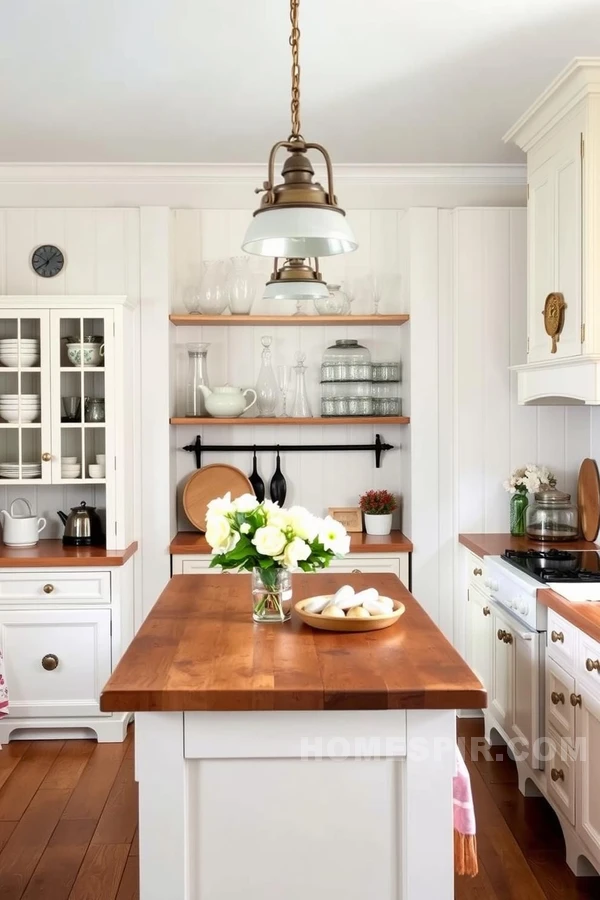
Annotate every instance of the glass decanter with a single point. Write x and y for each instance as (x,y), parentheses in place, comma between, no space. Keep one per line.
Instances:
(267,389)
(197,376)
(300,406)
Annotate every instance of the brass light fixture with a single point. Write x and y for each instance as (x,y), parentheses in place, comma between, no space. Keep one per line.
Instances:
(297,279)
(299,219)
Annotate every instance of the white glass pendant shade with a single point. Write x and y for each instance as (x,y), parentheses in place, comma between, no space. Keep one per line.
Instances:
(294,231)
(295,290)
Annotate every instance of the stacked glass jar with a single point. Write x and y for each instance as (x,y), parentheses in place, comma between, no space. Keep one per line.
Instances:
(351,385)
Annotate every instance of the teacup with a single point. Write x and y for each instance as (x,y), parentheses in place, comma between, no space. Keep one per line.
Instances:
(86,354)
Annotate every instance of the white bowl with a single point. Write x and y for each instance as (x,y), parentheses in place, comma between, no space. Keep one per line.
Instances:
(69,460)
(23,403)
(101,459)
(96,471)
(20,397)
(13,418)
(67,473)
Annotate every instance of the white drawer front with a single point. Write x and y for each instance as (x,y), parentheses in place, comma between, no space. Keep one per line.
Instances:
(560,712)
(562,639)
(52,588)
(587,663)
(476,570)
(56,661)
(365,565)
(560,770)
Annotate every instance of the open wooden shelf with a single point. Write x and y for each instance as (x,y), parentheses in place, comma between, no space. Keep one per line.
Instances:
(196,319)
(316,420)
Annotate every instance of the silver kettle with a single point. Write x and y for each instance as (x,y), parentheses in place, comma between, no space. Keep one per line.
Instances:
(83,527)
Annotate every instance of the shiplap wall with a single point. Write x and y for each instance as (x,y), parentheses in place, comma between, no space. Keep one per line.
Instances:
(103,257)
(234,357)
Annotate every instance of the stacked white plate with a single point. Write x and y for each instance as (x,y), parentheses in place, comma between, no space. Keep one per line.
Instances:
(24,352)
(28,470)
(19,407)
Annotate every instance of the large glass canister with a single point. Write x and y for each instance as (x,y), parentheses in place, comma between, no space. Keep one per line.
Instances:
(346,361)
(197,377)
(552,517)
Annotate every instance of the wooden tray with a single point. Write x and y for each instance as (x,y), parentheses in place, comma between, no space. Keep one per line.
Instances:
(374,623)
(208,483)
(588,499)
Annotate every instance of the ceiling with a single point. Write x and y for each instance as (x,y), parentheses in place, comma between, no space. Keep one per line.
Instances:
(383,81)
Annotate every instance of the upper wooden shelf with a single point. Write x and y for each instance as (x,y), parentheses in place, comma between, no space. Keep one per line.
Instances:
(290,420)
(196,319)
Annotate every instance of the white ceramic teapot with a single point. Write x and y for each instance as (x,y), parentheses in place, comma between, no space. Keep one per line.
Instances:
(227,401)
(21,531)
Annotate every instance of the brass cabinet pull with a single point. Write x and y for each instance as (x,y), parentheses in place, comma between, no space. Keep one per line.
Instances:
(477,571)
(486,611)
(49,662)
(508,638)
(592,664)
(557,698)
(557,775)
(575,699)
(48,588)
(557,636)
(501,634)
(46,457)
(356,572)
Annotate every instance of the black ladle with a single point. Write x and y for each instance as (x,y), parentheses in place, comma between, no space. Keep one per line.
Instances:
(256,481)
(278,488)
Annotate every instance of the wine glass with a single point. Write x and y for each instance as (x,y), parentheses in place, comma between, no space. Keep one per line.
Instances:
(284,378)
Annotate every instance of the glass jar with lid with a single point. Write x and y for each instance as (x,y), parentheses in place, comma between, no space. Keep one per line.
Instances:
(346,361)
(552,517)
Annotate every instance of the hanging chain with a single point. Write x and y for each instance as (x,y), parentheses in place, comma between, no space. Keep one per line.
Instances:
(294,44)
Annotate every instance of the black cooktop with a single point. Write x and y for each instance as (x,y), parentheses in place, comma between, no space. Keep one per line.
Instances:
(556,565)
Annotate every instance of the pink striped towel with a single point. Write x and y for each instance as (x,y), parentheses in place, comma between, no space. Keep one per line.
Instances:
(465,844)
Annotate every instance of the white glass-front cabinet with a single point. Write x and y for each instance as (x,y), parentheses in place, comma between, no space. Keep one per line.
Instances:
(66,400)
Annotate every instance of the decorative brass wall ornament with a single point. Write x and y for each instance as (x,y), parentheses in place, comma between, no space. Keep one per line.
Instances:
(554,317)
(299,219)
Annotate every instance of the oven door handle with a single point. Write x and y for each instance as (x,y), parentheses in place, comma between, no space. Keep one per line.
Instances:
(526,635)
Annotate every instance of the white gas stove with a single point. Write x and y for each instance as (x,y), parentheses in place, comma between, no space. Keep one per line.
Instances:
(516,592)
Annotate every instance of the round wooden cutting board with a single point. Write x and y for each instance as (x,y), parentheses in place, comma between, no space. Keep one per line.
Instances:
(208,483)
(588,499)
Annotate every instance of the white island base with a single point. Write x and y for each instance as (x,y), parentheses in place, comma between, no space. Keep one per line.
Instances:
(288,805)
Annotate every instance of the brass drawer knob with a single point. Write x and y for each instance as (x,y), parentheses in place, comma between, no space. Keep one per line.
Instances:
(557,698)
(592,664)
(486,611)
(508,638)
(46,457)
(356,572)
(48,588)
(575,699)
(557,775)
(501,634)
(557,637)
(49,662)
(477,571)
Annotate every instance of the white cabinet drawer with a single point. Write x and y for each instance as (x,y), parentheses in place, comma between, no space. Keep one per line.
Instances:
(365,565)
(476,570)
(50,588)
(587,663)
(560,712)
(562,639)
(56,661)
(560,769)
(199,567)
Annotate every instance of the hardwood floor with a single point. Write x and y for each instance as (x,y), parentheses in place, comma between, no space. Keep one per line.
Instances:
(68,828)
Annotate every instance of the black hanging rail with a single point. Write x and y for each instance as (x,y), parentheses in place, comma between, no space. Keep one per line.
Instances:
(198,448)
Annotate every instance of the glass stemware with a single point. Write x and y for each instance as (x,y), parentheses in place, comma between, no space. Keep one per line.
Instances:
(284,378)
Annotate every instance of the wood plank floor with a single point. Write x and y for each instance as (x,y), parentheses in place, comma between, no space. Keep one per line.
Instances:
(68,828)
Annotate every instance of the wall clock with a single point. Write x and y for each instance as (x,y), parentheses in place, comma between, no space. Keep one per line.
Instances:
(47,261)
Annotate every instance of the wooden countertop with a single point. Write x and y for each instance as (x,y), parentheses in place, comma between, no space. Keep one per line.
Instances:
(198,649)
(496,544)
(585,616)
(395,542)
(51,553)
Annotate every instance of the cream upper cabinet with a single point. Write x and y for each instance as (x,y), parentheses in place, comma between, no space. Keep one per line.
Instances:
(561,135)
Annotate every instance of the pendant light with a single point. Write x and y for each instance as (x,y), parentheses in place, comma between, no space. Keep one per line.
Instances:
(296,280)
(298,219)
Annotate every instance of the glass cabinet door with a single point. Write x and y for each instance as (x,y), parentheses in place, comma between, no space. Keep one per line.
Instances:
(25,429)
(81,346)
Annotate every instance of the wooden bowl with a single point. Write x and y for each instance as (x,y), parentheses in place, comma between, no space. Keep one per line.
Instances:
(373,623)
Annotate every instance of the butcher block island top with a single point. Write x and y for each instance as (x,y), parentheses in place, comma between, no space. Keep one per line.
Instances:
(199,649)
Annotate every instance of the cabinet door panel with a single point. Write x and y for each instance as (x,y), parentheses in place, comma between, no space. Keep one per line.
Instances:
(568,244)
(540,227)
(501,701)
(588,797)
(479,636)
(525,725)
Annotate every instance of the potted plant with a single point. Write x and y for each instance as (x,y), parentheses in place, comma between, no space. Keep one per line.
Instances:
(378,507)
(271,542)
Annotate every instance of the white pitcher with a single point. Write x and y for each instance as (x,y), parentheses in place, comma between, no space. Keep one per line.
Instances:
(21,531)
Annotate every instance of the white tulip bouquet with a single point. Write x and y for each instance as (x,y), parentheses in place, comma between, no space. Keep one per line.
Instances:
(247,535)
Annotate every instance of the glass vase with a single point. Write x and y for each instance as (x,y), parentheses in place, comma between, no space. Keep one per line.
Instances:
(271,595)
(518,505)
(267,390)
(240,286)
(196,379)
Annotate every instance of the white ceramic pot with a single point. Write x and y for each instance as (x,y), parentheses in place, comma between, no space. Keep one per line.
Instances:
(21,531)
(227,401)
(89,354)
(378,524)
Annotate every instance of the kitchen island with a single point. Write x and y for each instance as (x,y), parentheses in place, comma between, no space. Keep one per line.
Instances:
(279,761)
